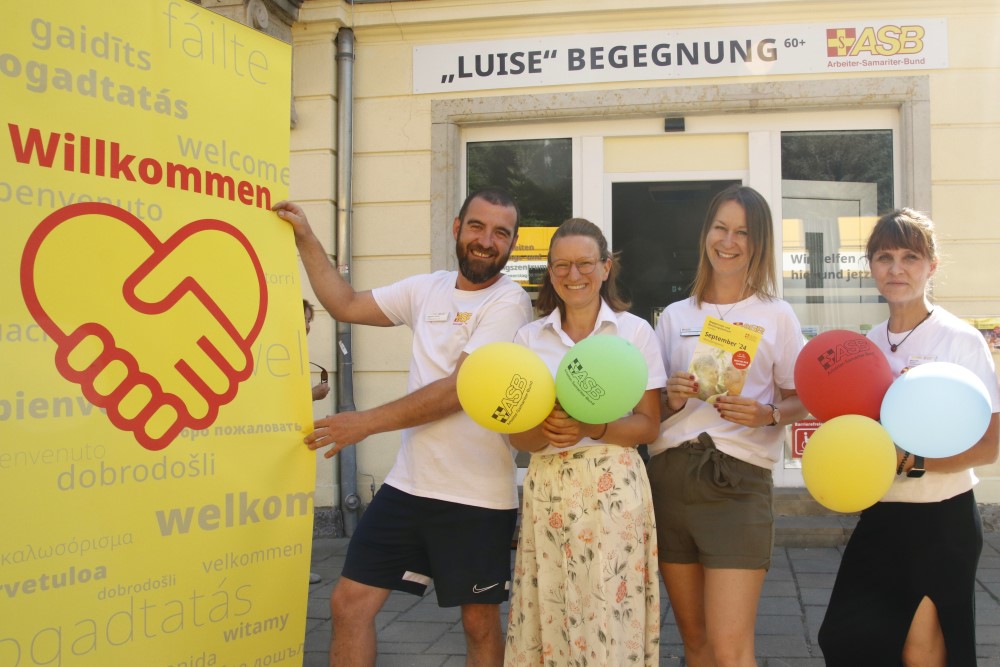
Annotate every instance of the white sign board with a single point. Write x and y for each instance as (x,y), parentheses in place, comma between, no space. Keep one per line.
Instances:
(837,46)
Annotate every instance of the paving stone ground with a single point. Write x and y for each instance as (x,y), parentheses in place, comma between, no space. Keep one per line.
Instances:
(415,632)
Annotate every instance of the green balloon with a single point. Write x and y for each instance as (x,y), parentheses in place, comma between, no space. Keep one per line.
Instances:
(601,379)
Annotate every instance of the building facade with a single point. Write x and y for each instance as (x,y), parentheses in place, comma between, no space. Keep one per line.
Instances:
(632,113)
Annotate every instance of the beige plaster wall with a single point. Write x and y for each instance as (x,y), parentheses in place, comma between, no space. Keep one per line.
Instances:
(676,153)
(396,159)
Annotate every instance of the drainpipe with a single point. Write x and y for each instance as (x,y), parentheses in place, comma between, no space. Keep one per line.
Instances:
(350,502)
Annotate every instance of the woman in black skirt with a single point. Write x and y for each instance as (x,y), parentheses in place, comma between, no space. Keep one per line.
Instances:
(904,594)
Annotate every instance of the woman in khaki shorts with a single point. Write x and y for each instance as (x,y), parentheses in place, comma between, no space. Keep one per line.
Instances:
(710,469)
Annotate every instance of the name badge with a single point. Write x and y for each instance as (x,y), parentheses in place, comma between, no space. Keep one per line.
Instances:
(916,360)
(688,332)
(438,317)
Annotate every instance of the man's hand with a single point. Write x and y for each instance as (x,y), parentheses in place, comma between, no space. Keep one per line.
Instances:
(332,289)
(339,430)
(293,214)
(320,391)
(157,334)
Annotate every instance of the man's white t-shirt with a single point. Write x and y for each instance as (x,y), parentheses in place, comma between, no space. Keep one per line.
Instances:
(454,458)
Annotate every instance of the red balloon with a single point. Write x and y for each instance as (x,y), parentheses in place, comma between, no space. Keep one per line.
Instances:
(842,373)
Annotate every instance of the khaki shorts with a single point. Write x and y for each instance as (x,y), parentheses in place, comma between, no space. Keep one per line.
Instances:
(711,508)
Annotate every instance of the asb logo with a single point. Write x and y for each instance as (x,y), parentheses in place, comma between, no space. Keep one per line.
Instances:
(832,358)
(888,40)
(583,382)
(513,399)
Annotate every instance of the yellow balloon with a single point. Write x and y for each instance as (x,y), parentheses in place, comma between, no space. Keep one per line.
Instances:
(849,463)
(506,387)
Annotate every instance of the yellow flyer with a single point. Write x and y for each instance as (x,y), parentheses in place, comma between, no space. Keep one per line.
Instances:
(155,496)
(722,358)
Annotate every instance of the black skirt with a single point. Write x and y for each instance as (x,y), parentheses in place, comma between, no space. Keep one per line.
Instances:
(898,554)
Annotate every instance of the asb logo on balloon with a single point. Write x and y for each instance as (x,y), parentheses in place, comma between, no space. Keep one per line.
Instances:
(505,387)
(601,379)
(582,381)
(513,400)
(841,373)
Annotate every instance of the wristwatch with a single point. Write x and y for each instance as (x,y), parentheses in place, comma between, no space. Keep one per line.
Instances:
(775,414)
(918,467)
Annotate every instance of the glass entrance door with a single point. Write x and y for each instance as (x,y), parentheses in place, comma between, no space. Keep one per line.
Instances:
(834,185)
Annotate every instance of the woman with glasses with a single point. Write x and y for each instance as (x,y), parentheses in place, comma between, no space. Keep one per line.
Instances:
(585,588)
(710,469)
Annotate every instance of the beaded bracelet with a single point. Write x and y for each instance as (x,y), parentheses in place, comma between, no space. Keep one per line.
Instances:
(902,463)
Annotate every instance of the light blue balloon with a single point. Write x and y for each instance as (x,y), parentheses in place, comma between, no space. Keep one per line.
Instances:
(936,409)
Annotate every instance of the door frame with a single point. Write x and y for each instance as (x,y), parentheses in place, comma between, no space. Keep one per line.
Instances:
(610,179)
(901,102)
(783,476)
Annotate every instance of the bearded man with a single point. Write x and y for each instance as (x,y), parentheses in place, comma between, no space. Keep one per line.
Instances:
(447,510)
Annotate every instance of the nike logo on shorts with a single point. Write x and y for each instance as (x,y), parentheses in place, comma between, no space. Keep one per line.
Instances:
(477,589)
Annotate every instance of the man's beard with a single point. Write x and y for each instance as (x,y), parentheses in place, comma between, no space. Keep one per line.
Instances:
(478,270)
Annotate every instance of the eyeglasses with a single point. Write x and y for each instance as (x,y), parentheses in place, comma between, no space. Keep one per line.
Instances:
(584,266)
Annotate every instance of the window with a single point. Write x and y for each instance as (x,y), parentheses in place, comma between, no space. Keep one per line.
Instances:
(834,184)
(539,174)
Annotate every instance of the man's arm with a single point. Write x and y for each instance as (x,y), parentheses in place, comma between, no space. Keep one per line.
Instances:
(335,294)
(431,402)
(427,404)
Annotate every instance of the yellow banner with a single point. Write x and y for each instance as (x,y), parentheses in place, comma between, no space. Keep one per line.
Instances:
(155,496)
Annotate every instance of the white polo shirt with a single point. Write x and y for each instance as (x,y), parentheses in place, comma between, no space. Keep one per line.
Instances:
(546,337)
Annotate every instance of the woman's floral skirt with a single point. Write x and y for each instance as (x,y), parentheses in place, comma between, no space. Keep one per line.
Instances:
(586,586)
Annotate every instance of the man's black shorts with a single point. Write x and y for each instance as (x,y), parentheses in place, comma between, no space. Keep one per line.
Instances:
(404,542)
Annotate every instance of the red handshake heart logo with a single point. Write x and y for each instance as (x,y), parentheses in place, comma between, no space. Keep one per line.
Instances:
(156,333)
